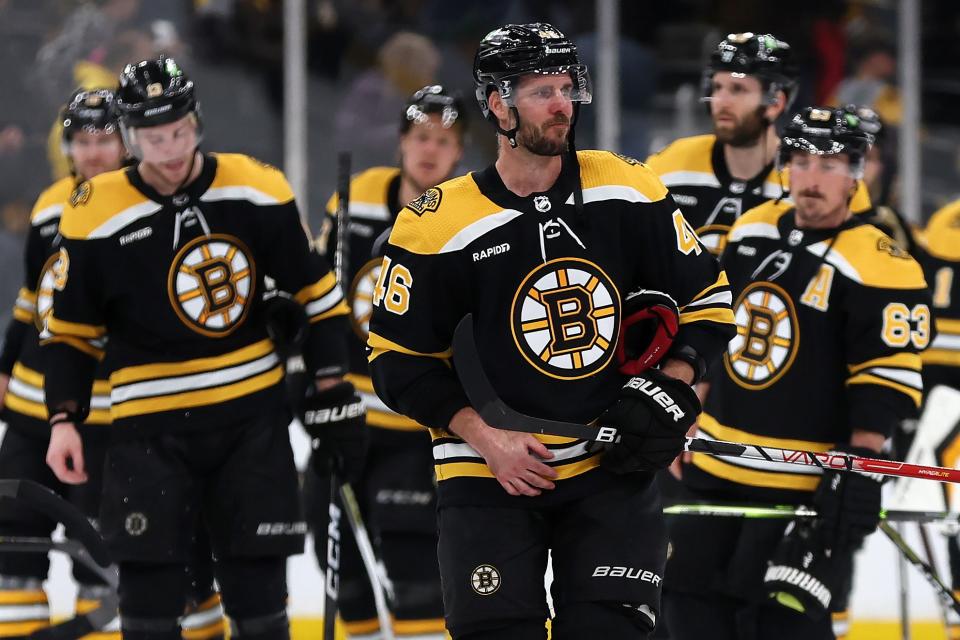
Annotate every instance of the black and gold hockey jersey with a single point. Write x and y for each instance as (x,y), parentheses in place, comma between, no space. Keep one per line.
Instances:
(174,284)
(830,324)
(24,406)
(374,205)
(695,171)
(544,283)
(941,261)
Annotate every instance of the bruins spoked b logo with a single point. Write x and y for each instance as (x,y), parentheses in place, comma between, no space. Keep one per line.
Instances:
(485,579)
(564,318)
(767,339)
(211,283)
(361,297)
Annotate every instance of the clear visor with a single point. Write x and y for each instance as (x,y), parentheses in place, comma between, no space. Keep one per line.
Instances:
(163,143)
(540,85)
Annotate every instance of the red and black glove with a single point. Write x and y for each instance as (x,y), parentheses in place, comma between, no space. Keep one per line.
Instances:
(652,415)
(650,323)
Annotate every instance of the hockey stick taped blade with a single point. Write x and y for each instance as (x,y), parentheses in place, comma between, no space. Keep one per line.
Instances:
(492,409)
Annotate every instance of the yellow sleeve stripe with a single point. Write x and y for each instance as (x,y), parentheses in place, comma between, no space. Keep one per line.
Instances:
(139,373)
(76,343)
(76,329)
(722,281)
(723,315)
(722,432)
(941,357)
(381,345)
(897,360)
(341,309)
(948,325)
(27,295)
(316,290)
(865,378)
(22,315)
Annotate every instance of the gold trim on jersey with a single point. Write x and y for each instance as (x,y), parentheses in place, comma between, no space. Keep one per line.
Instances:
(454,458)
(25,396)
(241,177)
(942,233)
(379,414)
(368,194)
(867,256)
(66,328)
(84,346)
(112,204)
(900,371)
(757,473)
(599,169)
(716,293)
(166,386)
(380,345)
(768,336)
(869,378)
(50,202)
(945,349)
(323,299)
(25,306)
(412,627)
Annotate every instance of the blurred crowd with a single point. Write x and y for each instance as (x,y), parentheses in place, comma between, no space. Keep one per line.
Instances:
(366,56)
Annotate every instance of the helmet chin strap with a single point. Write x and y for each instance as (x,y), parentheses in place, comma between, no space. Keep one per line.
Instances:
(510,134)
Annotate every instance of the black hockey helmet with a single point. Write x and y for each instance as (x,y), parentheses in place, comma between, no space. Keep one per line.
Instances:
(763,56)
(89,110)
(515,50)
(826,131)
(154,92)
(434,98)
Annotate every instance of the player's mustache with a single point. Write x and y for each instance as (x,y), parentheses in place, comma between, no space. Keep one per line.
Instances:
(558,120)
(810,193)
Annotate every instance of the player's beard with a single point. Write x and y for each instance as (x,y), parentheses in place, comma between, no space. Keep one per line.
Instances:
(536,141)
(745,133)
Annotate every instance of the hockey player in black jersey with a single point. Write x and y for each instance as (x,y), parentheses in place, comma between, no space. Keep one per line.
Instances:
(750,81)
(396,490)
(831,316)
(555,253)
(161,274)
(91,141)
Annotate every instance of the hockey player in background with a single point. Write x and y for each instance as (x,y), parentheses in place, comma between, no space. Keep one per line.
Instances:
(750,82)
(557,254)
(92,145)
(396,489)
(160,273)
(831,317)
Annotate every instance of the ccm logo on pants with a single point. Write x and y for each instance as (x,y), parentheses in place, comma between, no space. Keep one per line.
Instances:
(606,571)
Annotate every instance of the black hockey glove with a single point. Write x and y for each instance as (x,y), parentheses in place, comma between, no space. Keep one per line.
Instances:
(653,415)
(286,322)
(650,323)
(335,419)
(848,504)
(803,575)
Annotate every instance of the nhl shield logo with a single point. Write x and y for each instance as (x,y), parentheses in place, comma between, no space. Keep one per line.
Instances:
(565,318)
(768,336)
(211,283)
(485,580)
(360,297)
(542,204)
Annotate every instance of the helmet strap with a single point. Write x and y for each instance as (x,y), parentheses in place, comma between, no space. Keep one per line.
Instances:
(510,134)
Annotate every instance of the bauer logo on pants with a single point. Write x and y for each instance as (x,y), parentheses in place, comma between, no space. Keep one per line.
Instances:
(565,317)
(485,579)
(211,284)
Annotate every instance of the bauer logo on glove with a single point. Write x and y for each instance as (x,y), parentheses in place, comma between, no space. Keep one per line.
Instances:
(338,413)
(660,396)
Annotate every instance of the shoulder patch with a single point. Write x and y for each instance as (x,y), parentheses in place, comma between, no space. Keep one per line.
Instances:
(81,195)
(890,246)
(627,159)
(428,201)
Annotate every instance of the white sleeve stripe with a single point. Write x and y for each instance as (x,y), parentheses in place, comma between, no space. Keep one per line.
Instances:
(324,303)
(909,378)
(46,214)
(722,297)
(239,192)
(689,179)
(753,230)
(479,229)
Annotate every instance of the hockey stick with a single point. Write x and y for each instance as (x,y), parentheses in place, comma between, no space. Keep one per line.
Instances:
(86,547)
(340,486)
(789,511)
(494,412)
